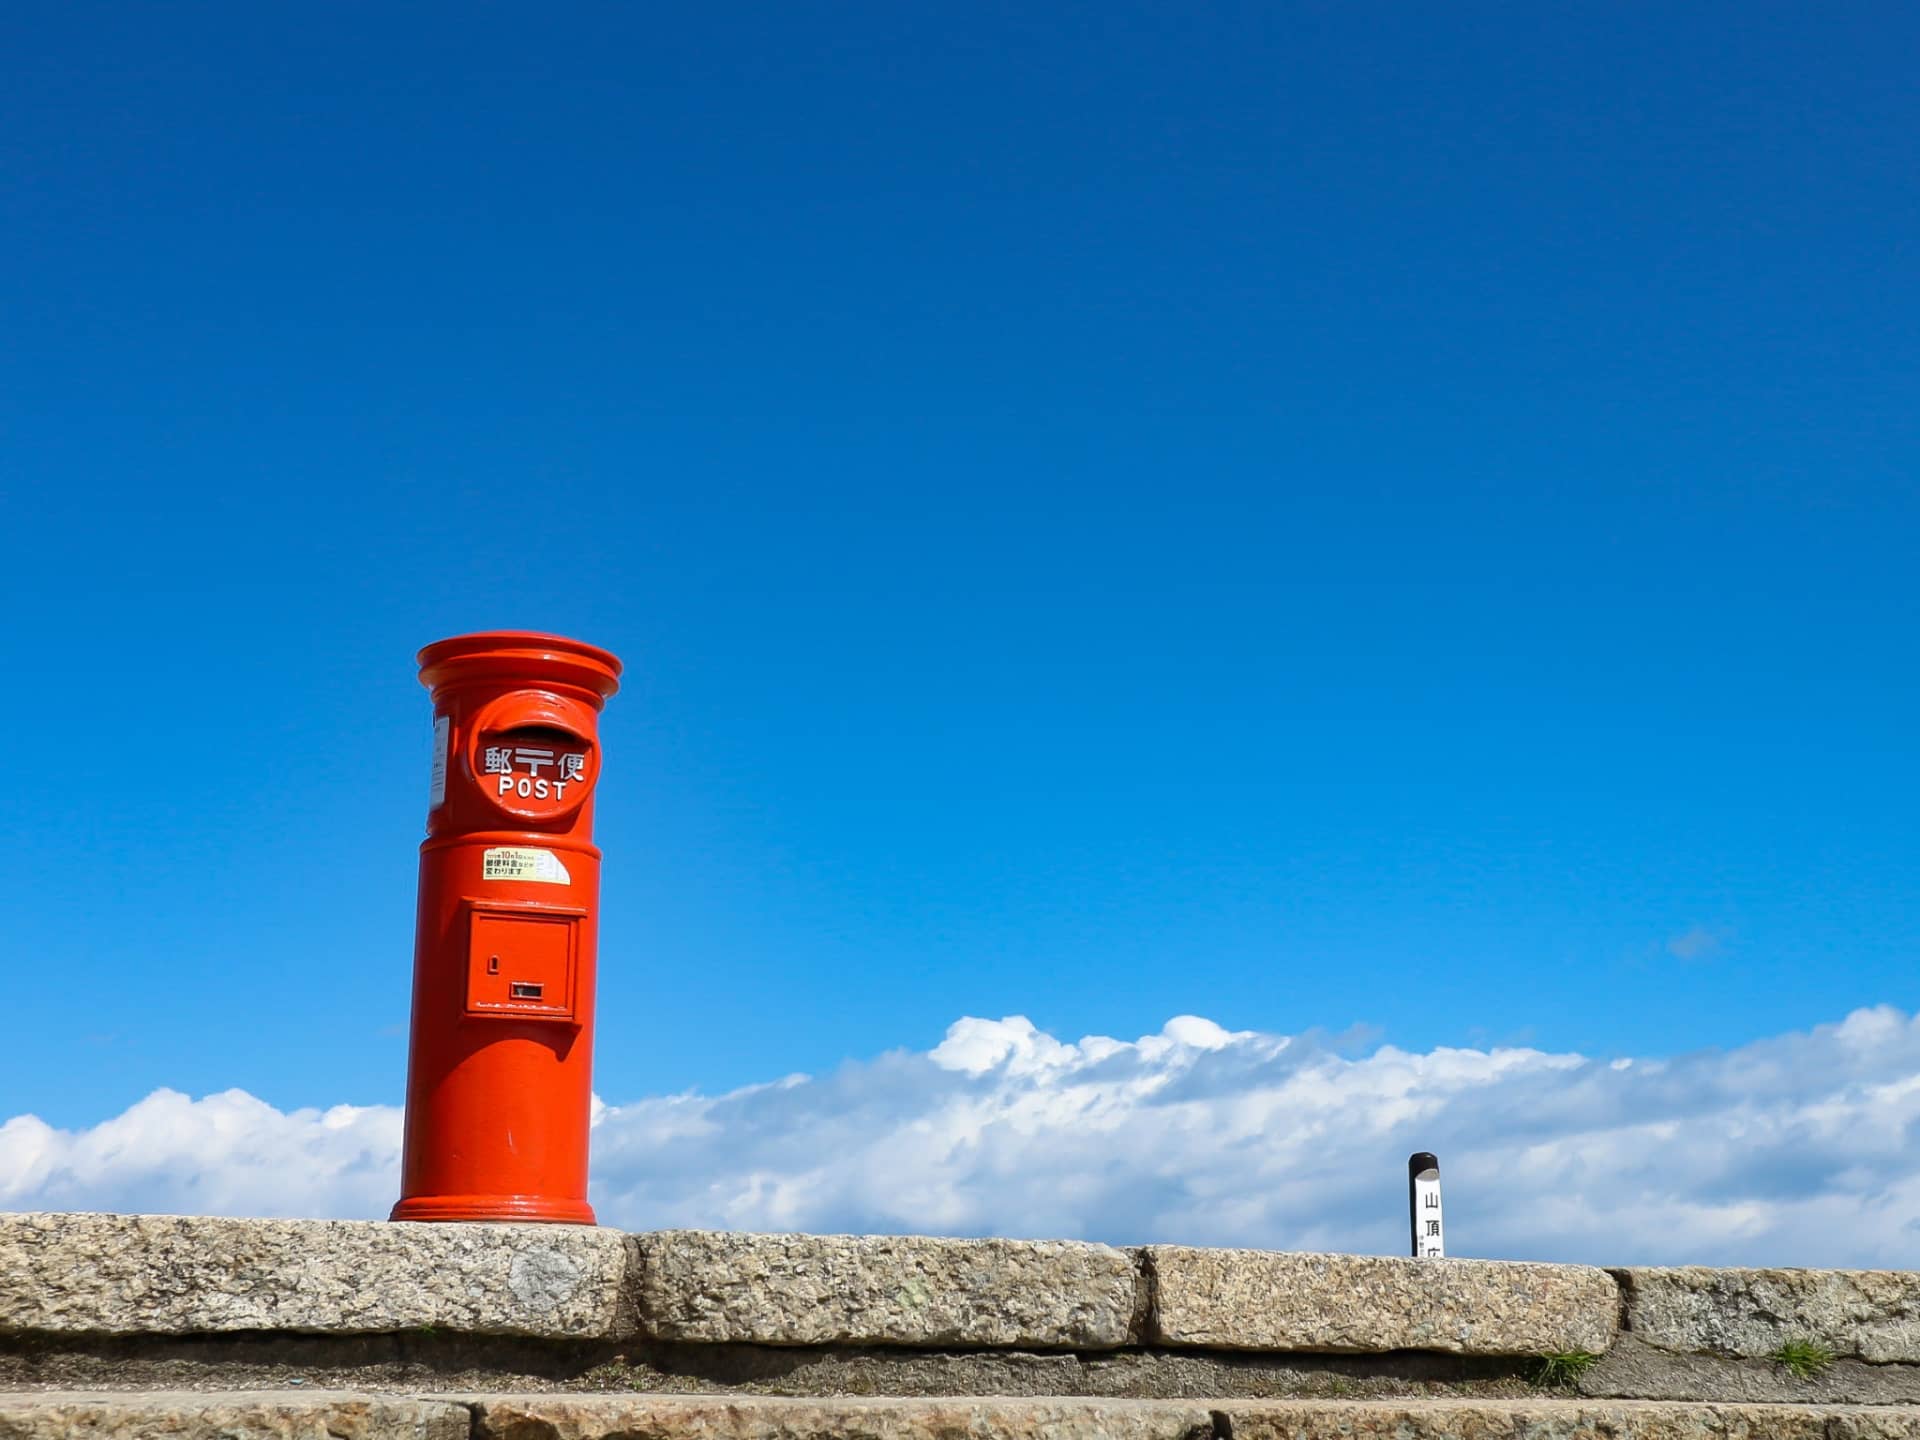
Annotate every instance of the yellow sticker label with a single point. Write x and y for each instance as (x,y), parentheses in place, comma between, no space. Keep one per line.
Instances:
(543,867)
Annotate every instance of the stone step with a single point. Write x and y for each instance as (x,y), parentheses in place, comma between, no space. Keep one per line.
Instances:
(335,1415)
(228,1415)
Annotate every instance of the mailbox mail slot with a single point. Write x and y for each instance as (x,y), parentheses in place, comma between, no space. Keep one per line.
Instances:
(522,962)
(533,756)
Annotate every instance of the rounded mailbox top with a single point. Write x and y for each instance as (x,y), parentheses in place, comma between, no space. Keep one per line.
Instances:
(519,657)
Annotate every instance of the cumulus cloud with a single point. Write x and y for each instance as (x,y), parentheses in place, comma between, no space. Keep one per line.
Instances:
(1792,1150)
(227,1154)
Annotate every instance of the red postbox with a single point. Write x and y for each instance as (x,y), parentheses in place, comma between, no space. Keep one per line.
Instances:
(500,1065)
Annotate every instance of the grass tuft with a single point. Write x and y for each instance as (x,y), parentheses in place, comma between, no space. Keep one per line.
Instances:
(1803,1359)
(1562,1369)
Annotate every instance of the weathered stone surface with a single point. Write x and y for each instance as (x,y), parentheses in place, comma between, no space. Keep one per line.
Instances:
(175,1275)
(1632,1369)
(1559,1420)
(187,1415)
(1873,1315)
(297,1415)
(659,1417)
(883,1290)
(604,1417)
(1267,1300)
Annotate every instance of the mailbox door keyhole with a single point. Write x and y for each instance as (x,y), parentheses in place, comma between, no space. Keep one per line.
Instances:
(493,965)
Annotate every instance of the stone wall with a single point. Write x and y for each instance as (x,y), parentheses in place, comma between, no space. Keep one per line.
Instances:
(367,1328)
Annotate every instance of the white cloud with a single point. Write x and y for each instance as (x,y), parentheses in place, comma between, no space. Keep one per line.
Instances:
(228,1154)
(1793,1150)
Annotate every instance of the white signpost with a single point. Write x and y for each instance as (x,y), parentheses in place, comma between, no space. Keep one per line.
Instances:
(1423,1205)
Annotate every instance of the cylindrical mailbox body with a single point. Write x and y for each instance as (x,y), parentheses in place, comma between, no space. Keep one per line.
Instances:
(500,1065)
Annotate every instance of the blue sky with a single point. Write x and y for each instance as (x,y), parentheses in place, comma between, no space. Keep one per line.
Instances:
(1307,515)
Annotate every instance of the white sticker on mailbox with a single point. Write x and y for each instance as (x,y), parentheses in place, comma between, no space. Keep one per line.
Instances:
(509,863)
(437,786)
